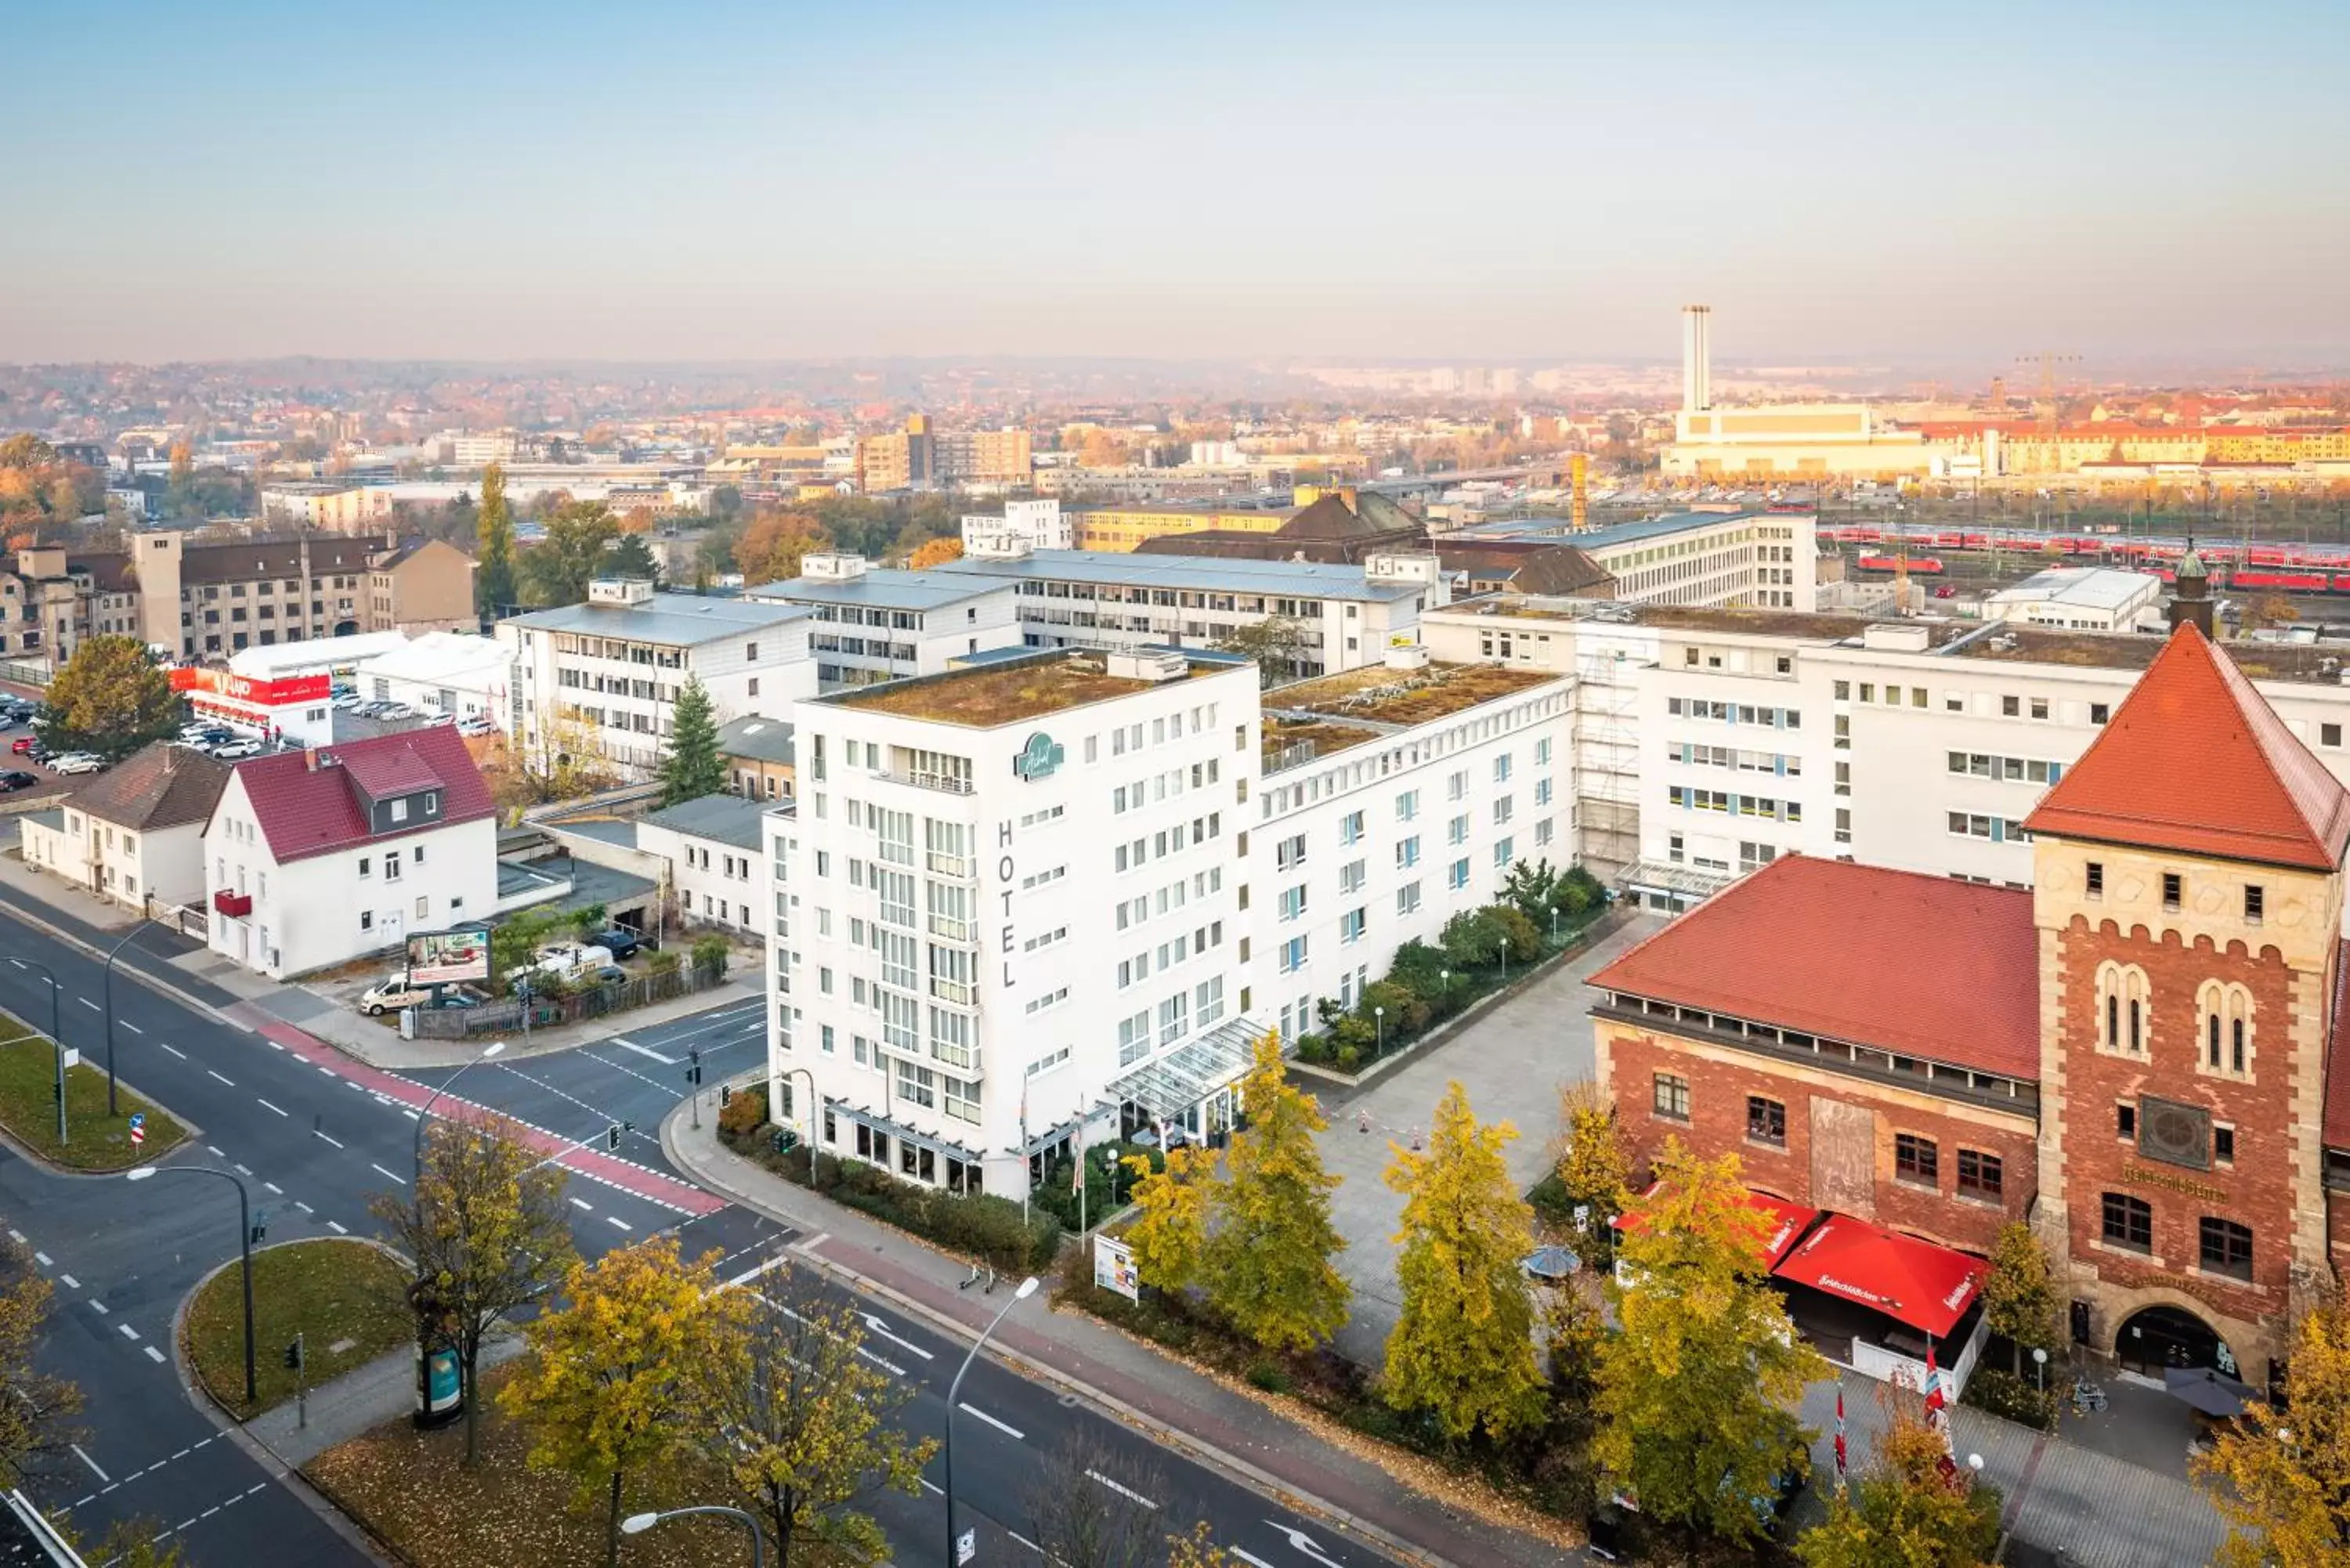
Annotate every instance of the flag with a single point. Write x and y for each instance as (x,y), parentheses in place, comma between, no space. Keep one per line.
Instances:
(1937,1416)
(1077,1148)
(1840,1438)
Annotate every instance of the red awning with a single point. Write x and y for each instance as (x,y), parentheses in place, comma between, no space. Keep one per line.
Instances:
(1788,1223)
(1928,1287)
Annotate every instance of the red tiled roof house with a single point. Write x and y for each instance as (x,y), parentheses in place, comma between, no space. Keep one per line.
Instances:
(315,857)
(2133,1055)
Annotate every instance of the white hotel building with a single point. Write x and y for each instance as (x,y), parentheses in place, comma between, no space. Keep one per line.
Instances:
(1014,901)
(608,672)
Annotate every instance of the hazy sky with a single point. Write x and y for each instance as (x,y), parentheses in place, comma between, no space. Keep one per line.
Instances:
(1494,180)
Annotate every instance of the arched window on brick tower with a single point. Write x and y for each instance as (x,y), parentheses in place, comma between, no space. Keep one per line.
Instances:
(2225,1014)
(2124,1003)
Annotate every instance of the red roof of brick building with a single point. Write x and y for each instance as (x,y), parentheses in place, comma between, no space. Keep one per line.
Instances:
(1921,965)
(2196,760)
(313,802)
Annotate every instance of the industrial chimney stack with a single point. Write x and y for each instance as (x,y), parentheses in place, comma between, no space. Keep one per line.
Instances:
(1697,358)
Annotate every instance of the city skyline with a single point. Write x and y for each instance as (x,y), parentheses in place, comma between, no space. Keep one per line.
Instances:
(532,183)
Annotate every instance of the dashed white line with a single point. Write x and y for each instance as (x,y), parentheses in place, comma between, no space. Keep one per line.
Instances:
(243,1170)
(69,1282)
(616,1219)
(229,1082)
(337,1229)
(304,1206)
(175,1050)
(275,1187)
(394,1175)
(214,1151)
(86,1001)
(583,1207)
(154,1355)
(969,1408)
(132,1027)
(18,1236)
(315,1133)
(1125,1491)
(92,1463)
(273,1045)
(98,1306)
(266,1105)
(128,1331)
(44,1259)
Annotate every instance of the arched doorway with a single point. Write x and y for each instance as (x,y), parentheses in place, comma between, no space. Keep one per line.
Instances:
(2162,1337)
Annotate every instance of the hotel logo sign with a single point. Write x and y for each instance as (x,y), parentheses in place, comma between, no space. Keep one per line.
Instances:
(1039,759)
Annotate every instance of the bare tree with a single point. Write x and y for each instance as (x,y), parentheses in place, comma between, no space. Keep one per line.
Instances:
(36,1409)
(1095,1507)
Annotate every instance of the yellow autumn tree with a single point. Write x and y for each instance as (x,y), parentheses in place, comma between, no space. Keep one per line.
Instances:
(1464,1350)
(644,1353)
(1170,1231)
(935,553)
(2281,1477)
(771,548)
(1267,1262)
(1905,1510)
(1594,1170)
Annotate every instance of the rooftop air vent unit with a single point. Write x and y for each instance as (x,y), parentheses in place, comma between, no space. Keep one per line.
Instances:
(1148,666)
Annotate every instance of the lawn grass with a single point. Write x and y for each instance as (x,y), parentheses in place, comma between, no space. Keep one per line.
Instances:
(413,1490)
(95,1141)
(326,1290)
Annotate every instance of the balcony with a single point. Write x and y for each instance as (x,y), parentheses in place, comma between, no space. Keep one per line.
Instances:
(961,993)
(949,784)
(954,929)
(229,903)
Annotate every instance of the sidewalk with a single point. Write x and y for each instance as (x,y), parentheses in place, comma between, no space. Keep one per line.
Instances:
(1157,1395)
(357,1402)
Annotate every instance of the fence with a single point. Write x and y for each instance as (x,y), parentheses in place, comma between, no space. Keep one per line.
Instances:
(546,1012)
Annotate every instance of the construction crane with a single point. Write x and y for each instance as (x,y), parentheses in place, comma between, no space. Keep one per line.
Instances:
(1578,470)
(2048,359)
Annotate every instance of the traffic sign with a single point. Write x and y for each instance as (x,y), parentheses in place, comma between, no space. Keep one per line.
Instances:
(138,1118)
(966,1547)
(138,1135)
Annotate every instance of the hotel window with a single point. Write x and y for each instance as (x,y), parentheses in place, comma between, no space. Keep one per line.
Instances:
(2226,1249)
(1981,1175)
(1350,827)
(1766,1121)
(1671,1098)
(1917,1159)
(2099,713)
(2128,1222)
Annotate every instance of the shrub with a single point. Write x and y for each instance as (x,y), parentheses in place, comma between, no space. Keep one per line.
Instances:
(1419,969)
(2001,1392)
(1314,1048)
(1552,1204)
(711,953)
(1269,1376)
(1407,1014)
(1109,1184)
(662,963)
(744,1113)
(981,1225)
(1348,1058)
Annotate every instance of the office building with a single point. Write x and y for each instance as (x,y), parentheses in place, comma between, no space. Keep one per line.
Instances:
(339,508)
(2080,598)
(896,460)
(1723,557)
(876,623)
(605,675)
(1025,526)
(1015,912)
(999,457)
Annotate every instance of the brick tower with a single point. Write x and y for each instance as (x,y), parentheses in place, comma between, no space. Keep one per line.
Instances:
(2187,895)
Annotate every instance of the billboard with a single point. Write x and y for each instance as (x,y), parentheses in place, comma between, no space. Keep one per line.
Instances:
(445,958)
(284,693)
(1114,1267)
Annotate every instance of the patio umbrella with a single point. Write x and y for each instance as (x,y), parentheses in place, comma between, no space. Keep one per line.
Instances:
(2207,1391)
(1550,1264)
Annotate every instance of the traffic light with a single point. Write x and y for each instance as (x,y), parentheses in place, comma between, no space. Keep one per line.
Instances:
(725,1092)
(294,1356)
(612,1135)
(693,1071)
(260,1233)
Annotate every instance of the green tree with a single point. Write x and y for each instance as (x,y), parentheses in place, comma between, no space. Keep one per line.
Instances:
(1696,1389)
(558,568)
(693,767)
(631,556)
(811,1431)
(1464,1350)
(2019,1300)
(1170,1233)
(1530,889)
(110,698)
(489,1231)
(1477,939)
(643,1352)
(1273,643)
(35,1413)
(1594,1169)
(1902,1511)
(493,582)
(1267,1263)
(2281,1477)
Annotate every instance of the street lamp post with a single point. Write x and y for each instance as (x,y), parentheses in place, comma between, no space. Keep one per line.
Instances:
(424,1112)
(1379,1030)
(56,1040)
(637,1523)
(110,1008)
(243,1241)
(809,1074)
(1027,1288)
(2040,1366)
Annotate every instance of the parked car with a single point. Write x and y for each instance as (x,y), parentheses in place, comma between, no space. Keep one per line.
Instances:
(395,710)
(78,763)
(16,779)
(393,992)
(347,700)
(562,958)
(23,744)
(237,751)
(477,727)
(620,941)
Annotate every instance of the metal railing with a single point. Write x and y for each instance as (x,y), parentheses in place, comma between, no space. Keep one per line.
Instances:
(592,1001)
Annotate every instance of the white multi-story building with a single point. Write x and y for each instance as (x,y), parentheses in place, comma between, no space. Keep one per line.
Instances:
(318,857)
(2080,598)
(1728,557)
(875,623)
(1392,800)
(1025,526)
(607,673)
(711,850)
(1346,616)
(1012,907)
(461,674)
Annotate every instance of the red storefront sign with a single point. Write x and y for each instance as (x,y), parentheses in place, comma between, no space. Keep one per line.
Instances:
(284,693)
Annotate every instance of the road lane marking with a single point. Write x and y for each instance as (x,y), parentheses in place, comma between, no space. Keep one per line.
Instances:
(1251,1558)
(92,1463)
(86,1001)
(229,1082)
(583,1207)
(1301,1541)
(266,1106)
(215,1151)
(315,1133)
(128,1331)
(69,1282)
(642,1051)
(304,1206)
(132,1027)
(275,1187)
(876,1325)
(969,1408)
(337,1229)
(616,1219)
(44,1259)
(18,1237)
(1123,1491)
(242,1170)
(98,1306)
(381,1171)
(175,1050)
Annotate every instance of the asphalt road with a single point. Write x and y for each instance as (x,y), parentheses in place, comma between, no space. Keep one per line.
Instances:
(315,1144)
